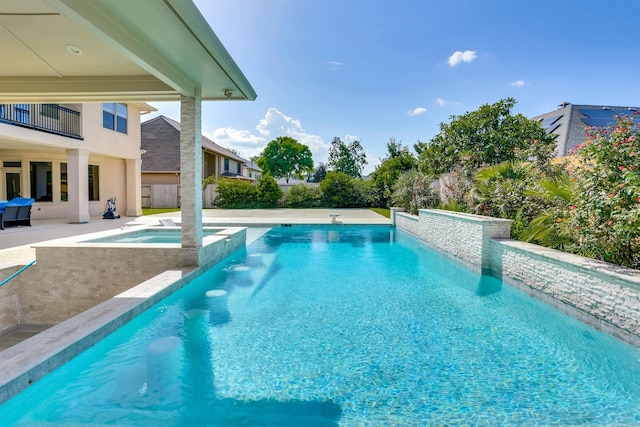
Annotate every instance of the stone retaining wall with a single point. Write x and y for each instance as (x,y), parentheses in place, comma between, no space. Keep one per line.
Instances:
(603,295)
(461,236)
(10,309)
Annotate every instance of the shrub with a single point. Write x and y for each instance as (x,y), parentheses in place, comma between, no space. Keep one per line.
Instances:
(606,209)
(234,194)
(339,190)
(510,190)
(551,227)
(269,192)
(412,192)
(363,193)
(303,196)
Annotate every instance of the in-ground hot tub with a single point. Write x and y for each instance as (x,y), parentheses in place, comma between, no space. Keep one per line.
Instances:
(154,235)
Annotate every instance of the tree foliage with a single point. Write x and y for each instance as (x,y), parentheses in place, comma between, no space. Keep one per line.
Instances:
(235,193)
(284,157)
(269,192)
(412,192)
(550,227)
(241,194)
(398,160)
(339,190)
(510,190)
(319,173)
(595,209)
(303,196)
(487,136)
(606,209)
(347,158)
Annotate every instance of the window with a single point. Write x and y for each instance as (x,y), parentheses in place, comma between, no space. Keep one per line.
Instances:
(40,174)
(64,189)
(94,183)
(226,165)
(239,168)
(12,164)
(50,110)
(114,116)
(121,118)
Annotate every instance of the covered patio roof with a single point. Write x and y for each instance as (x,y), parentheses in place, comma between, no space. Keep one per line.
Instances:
(112,50)
(63,51)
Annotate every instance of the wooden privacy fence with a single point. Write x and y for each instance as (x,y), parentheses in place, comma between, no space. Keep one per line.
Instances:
(168,196)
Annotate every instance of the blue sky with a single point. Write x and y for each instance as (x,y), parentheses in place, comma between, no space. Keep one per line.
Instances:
(379,69)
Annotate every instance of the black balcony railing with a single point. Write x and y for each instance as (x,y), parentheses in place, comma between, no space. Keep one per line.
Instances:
(51,118)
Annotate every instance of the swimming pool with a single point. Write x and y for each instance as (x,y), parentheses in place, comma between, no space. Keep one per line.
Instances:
(342,326)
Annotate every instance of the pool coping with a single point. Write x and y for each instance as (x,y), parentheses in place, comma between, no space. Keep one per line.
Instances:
(23,364)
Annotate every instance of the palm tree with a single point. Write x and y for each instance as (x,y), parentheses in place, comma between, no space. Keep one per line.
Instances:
(551,228)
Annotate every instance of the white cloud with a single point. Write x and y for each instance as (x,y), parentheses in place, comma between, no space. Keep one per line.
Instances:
(417,111)
(350,138)
(247,144)
(275,121)
(441,102)
(335,65)
(518,83)
(273,125)
(458,57)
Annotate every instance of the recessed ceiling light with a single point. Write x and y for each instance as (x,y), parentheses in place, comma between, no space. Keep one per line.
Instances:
(74,49)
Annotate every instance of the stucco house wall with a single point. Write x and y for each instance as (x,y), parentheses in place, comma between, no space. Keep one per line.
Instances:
(116,154)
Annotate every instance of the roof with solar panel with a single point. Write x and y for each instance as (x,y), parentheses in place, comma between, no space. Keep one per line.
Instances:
(569,122)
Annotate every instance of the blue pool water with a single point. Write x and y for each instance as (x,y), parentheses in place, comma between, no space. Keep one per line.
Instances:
(342,326)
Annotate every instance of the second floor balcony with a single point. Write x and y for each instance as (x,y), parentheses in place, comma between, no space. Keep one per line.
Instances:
(51,118)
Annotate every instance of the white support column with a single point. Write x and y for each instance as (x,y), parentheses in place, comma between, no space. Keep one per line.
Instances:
(78,186)
(191,172)
(134,187)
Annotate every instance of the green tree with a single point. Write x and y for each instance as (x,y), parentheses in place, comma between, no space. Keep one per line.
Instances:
(347,158)
(487,136)
(269,192)
(339,190)
(398,160)
(319,173)
(285,157)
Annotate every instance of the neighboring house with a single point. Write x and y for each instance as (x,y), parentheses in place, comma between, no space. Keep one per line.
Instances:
(160,146)
(251,170)
(71,158)
(569,122)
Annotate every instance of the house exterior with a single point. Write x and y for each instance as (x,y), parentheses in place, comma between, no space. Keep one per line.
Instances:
(251,170)
(72,157)
(113,51)
(160,172)
(569,122)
